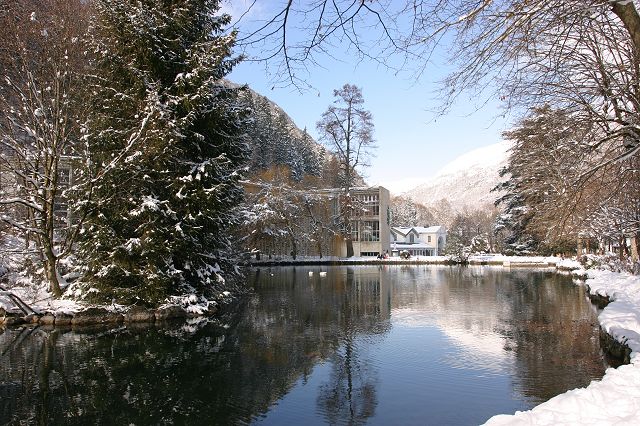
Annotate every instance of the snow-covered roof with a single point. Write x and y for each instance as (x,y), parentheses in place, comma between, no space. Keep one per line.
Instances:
(402,230)
(417,229)
(429,230)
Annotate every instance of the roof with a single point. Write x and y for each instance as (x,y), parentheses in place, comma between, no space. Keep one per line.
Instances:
(418,229)
(406,246)
(401,230)
(429,230)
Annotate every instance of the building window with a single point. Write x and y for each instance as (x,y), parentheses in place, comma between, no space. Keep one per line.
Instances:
(412,239)
(429,238)
(64,177)
(355,236)
(369,254)
(371,230)
(370,204)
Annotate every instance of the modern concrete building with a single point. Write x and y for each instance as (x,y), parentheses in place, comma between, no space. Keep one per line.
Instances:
(370,229)
(310,222)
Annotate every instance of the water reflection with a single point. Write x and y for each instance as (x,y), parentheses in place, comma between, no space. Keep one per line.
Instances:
(375,345)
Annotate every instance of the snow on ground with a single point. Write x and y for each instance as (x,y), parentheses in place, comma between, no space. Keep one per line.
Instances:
(616,398)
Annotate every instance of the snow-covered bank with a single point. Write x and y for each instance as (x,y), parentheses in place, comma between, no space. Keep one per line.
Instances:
(616,398)
(43,309)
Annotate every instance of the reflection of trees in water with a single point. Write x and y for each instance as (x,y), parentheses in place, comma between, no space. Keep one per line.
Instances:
(543,324)
(233,370)
(554,334)
(349,395)
(226,372)
(548,325)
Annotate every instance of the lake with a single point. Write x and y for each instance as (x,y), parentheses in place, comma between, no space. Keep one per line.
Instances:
(373,345)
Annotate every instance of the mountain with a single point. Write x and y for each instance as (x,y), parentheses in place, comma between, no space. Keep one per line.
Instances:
(466,182)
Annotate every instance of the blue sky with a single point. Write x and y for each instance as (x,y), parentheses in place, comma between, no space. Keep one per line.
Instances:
(413,141)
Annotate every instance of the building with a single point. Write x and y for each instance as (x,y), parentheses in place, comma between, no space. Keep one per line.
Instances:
(418,240)
(309,222)
(370,230)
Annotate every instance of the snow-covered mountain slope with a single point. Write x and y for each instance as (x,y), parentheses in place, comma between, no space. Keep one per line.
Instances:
(466,182)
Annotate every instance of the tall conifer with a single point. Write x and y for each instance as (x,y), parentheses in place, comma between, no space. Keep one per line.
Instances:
(166,147)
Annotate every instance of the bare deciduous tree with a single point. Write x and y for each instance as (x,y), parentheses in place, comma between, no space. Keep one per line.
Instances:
(42,58)
(347,130)
(582,55)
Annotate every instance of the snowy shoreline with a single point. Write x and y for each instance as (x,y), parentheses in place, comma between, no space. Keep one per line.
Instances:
(616,398)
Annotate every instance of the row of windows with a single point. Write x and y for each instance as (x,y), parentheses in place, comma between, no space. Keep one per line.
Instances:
(368,230)
(412,238)
(365,205)
(420,252)
(370,204)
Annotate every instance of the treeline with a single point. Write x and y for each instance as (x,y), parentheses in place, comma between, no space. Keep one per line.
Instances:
(276,144)
(569,69)
(122,149)
(566,193)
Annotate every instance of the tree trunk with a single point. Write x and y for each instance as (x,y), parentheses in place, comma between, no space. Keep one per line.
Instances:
(294,245)
(628,14)
(51,272)
(635,253)
(320,246)
(349,242)
(579,247)
(635,246)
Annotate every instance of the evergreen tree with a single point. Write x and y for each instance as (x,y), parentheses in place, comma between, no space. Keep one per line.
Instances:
(261,132)
(310,156)
(166,150)
(545,199)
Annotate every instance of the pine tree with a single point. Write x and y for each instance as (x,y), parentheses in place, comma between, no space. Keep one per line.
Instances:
(166,150)
(261,132)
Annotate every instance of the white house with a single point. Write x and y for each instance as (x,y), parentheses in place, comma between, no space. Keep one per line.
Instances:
(418,240)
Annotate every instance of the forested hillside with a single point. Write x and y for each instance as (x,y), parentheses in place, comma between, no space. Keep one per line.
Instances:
(276,142)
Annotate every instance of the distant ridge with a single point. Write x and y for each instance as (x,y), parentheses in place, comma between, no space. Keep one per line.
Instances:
(466,182)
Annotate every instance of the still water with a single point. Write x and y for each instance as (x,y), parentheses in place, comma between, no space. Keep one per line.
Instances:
(376,345)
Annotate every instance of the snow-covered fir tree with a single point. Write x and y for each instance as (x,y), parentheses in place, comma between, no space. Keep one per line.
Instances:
(166,149)
(545,199)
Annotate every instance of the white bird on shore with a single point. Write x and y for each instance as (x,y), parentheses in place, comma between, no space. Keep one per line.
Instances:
(323,274)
